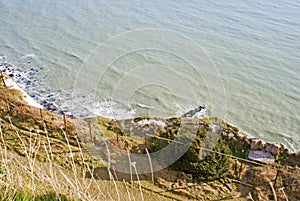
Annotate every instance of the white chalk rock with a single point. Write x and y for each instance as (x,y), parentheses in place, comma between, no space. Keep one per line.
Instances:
(261,156)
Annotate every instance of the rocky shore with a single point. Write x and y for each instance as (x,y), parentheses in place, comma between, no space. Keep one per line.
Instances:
(254,165)
(27,79)
(257,149)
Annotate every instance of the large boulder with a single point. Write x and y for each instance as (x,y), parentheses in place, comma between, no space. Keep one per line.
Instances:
(273,148)
(257,144)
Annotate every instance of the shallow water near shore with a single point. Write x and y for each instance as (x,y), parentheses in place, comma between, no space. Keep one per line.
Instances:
(254,45)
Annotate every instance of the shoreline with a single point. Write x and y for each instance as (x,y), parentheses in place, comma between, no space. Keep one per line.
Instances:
(11,84)
(255,143)
(21,79)
(260,150)
(240,142)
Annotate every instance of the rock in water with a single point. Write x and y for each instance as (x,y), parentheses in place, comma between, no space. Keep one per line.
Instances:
(196,113)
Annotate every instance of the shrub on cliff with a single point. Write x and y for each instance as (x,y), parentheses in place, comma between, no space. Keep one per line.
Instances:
(214,166)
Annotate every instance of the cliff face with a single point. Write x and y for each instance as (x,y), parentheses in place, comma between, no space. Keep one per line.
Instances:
(215,165)
(255,165)
(22,123)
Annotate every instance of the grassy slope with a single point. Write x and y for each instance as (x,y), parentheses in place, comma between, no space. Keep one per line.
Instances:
(41,159)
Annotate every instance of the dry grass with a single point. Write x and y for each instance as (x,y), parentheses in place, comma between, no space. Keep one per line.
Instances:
(41,158)
(29,178)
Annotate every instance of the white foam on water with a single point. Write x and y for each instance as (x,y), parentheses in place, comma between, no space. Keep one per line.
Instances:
(112,109)
(109,108)
(143,106)
(290,144)
(26,56)
(2,58)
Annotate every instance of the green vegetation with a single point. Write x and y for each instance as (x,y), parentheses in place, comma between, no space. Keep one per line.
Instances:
(20,195)
(214,166)
(240,151)
(44,158)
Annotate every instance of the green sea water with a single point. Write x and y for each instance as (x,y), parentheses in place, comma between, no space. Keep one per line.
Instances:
(254,45)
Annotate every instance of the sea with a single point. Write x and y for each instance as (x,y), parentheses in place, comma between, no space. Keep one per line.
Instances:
(120,59)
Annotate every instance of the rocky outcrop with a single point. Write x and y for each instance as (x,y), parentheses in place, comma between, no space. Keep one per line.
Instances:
(255,146)
(261,156)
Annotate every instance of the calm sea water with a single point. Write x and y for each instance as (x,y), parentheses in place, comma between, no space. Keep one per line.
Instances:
(255,46)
